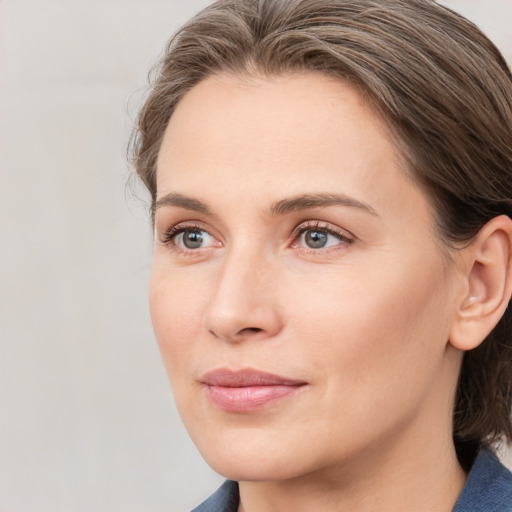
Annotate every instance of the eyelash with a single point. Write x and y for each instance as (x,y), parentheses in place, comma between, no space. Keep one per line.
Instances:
(345,240)
(172,233)
(169,238)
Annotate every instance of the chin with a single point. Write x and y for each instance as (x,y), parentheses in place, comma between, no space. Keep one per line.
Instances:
(254,470)
(259,456)
(247,455)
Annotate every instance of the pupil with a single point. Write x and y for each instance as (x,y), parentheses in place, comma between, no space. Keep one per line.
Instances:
(192,239)
(316,239)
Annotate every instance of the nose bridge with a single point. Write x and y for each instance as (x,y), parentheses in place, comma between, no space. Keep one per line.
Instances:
(243,304)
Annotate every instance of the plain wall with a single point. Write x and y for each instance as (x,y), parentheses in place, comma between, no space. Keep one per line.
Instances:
(87,420)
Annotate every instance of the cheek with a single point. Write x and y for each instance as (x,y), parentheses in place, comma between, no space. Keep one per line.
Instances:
(373,328)
(176,315)
(376,346)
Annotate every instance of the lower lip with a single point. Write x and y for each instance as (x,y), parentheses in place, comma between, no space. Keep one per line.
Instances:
(249,398)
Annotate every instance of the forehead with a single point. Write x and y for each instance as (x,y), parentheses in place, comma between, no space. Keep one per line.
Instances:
(284,119)
(253,138)
(298,103)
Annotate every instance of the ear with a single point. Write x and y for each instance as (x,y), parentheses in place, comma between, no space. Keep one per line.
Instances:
(488,284)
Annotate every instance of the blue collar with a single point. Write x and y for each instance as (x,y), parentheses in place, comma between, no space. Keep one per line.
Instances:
(488,487)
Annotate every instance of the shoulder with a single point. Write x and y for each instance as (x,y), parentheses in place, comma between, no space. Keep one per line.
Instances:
(225,499)
(488,487)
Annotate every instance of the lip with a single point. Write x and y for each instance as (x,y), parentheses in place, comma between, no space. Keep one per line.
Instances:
(247,389)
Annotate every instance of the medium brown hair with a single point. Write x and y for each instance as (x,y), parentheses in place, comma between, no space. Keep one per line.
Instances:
(444,89)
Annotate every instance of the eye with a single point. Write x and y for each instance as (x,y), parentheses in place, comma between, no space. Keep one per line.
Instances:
(194,239)
(188,238)
(317,237)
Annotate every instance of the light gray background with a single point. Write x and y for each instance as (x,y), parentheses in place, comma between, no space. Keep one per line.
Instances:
(87,420)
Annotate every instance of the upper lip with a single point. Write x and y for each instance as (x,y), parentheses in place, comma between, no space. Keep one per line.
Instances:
(246,377)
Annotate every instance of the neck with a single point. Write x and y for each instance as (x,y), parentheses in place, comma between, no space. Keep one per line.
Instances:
(425,478)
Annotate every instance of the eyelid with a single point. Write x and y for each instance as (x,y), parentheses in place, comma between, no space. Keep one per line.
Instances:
(169,236)
(322,225)
(345,237)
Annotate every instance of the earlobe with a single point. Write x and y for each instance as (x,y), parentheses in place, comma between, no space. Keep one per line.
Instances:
(488,284)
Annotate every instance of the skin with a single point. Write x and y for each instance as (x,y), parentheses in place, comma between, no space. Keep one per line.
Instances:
(365,321)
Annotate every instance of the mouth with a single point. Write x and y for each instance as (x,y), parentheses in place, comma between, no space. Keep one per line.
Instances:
(247,390)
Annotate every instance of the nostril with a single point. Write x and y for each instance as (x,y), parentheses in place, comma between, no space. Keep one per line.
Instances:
(246,330)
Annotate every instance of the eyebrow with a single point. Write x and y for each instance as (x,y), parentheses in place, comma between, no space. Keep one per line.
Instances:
(282,207)
(306,201)
(181,201)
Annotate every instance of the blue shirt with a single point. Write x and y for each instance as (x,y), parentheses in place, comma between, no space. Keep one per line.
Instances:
(488,489)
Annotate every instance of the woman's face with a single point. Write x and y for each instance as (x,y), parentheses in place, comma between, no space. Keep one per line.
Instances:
(300,297)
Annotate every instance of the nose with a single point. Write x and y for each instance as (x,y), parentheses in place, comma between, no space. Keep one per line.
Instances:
(243,304)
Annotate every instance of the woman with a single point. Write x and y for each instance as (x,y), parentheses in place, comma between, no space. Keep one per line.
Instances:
(331,188)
